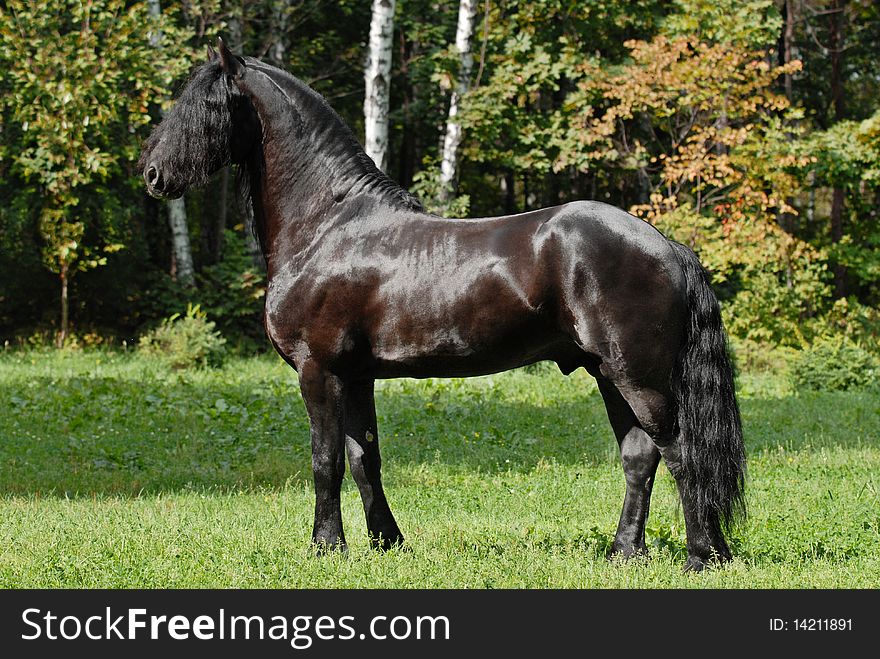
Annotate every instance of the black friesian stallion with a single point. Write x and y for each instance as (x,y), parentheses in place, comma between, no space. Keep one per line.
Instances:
(364,284)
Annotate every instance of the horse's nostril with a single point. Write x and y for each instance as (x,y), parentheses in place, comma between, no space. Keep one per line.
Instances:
(153,178)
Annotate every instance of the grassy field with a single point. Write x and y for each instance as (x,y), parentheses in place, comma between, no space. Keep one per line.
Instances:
(116,473)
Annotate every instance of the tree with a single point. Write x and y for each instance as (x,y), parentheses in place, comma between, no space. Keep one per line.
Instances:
(705,125)
(467,11)
(847,158)
(378,82)
(183,268)
(836,18)
(80,77)
(530,60)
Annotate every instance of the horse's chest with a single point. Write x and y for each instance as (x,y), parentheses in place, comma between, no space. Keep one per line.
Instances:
(312,314)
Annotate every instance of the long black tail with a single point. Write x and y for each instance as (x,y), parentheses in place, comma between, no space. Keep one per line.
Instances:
(713,456)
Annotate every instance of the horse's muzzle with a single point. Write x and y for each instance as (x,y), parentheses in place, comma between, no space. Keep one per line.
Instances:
(157,186)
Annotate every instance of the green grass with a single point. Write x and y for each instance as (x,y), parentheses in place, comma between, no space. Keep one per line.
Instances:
(116,473)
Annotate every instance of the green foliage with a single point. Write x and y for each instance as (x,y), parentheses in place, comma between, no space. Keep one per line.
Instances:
(749,23)
(753,357)
(832,364)
(856,322)
(230,292)
(189,341)
(847,155)
(682,112)
(776,305)
(77,81)
(426,186)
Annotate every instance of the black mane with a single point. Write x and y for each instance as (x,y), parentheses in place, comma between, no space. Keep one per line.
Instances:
(324,131)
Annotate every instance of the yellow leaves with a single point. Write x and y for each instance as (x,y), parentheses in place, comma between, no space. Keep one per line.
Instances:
(708,107)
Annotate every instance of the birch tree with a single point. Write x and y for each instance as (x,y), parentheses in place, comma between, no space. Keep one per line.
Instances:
(378,81)
(183,263)
(467,12)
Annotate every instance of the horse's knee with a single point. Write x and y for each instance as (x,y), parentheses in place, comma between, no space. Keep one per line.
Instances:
(328,470)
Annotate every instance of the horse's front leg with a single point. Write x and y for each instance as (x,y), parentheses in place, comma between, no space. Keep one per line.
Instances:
(323,395)
(362,442)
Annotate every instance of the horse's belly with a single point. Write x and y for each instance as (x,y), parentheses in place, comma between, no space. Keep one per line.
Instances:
(462,352)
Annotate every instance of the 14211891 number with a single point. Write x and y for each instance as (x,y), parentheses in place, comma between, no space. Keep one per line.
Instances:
(823,624)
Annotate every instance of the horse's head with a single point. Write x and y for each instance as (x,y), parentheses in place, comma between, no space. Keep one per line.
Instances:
(211,125)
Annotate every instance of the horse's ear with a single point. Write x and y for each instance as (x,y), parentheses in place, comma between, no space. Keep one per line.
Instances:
(212,54)
(232,65)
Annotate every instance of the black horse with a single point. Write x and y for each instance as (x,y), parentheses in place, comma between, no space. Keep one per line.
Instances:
(364,284)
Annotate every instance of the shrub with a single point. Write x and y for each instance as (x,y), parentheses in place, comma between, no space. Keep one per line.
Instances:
(855,321)
(753,357)
(835,364)
(231,293)
(185,341)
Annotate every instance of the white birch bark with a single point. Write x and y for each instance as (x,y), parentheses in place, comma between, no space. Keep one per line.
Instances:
(280,15)
(467,12)
(185,271)
(378,82)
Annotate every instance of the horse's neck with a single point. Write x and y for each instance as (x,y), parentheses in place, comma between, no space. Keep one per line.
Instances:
(311,161)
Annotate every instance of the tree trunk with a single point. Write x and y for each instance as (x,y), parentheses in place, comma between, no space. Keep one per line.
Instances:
(467,11)
(176,207)
(236,38)
(835,48)
(65,307)
(220,219)
(278,48)
(786,39)
(507,185)
(407,155)
(186,274)
(378,82)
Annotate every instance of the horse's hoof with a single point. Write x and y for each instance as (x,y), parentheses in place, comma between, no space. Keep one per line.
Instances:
(383,544)
(694,564)
(325,548)
(627,553)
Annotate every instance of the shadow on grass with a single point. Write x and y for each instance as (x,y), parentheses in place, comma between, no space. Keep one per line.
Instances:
(82,436)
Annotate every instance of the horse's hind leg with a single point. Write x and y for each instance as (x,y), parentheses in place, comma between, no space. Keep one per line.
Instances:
(705,540)
(362,442)
(639,456)
(652,409)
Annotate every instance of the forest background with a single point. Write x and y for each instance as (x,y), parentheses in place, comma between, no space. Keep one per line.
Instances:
(748,130)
